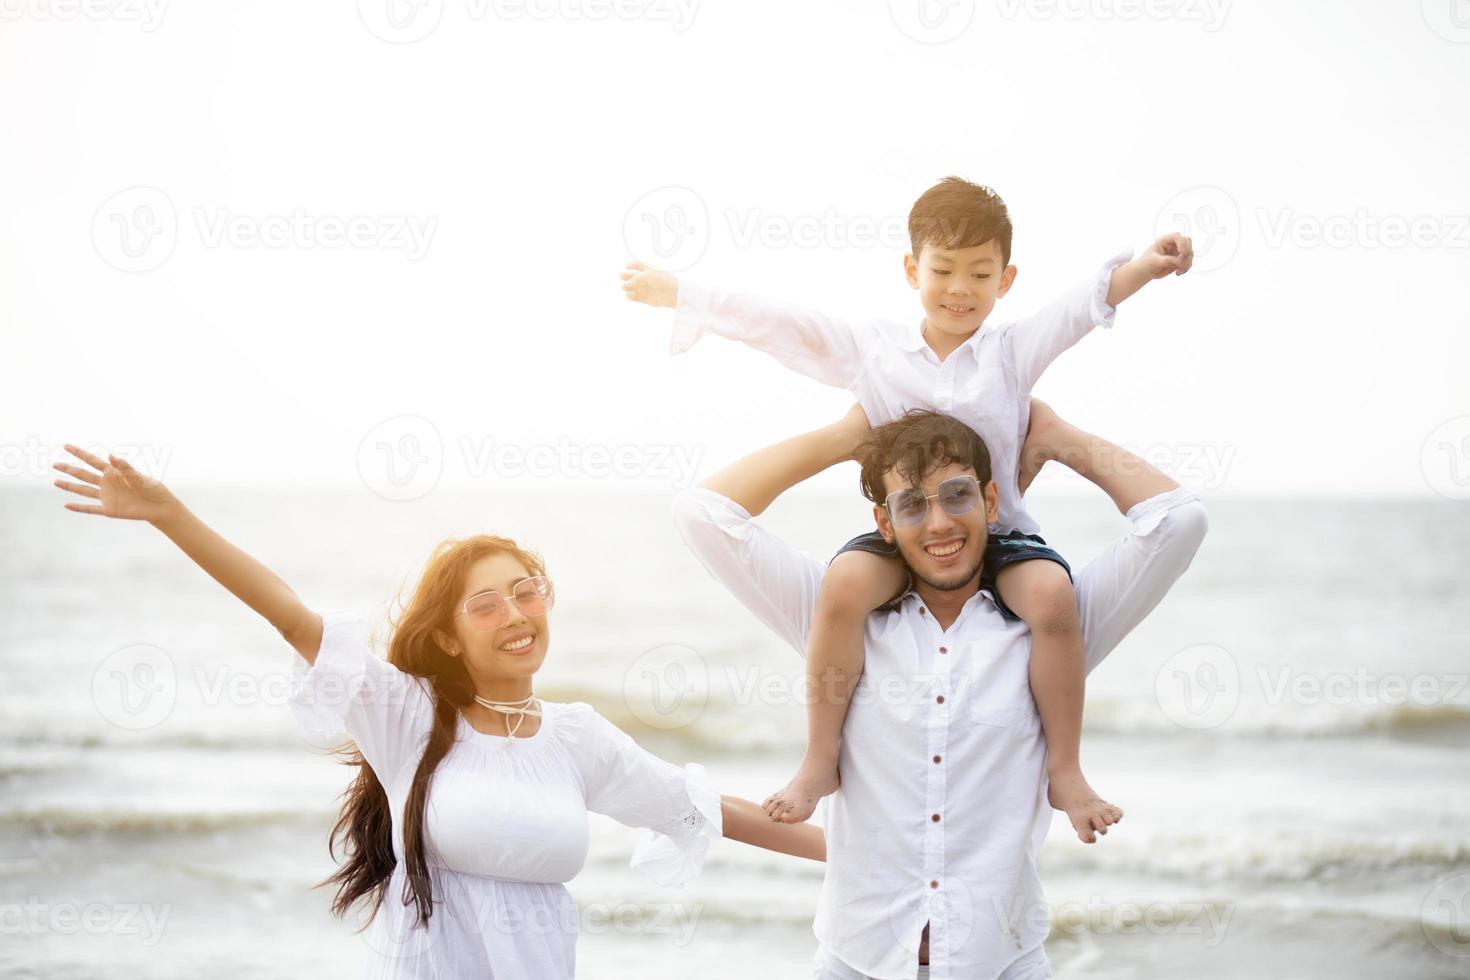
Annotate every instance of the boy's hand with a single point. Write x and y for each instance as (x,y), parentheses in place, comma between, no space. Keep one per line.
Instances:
(644,285)
(1172,253)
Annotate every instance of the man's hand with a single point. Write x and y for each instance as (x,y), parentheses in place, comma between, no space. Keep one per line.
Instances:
(652,286)
(852,430)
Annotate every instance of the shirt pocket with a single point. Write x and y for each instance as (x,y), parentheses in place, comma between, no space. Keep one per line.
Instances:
(1021,719)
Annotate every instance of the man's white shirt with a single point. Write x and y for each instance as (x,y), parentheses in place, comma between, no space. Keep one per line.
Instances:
(986,382)
(942,808)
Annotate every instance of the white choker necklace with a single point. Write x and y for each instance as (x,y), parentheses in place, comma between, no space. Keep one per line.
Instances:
(520,709)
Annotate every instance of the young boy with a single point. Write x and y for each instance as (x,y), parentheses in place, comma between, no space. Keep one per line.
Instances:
(951,362)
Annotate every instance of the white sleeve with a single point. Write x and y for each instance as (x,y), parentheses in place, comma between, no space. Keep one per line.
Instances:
(770,578)
(637,788)
(1117,589)
(1032,343)
(387,712)
(819,346)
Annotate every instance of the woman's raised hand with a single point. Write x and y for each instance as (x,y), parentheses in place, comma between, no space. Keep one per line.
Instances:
(119,489)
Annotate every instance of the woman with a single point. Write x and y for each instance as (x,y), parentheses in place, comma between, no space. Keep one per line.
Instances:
(468,810)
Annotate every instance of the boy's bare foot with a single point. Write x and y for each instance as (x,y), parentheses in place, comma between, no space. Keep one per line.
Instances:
(1068,791)
(797,800)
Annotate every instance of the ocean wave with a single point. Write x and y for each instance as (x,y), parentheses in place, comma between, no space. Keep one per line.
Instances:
(1265,858)
(67,821)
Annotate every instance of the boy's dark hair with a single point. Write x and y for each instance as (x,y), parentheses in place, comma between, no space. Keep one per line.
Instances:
(915,444)
(955,213)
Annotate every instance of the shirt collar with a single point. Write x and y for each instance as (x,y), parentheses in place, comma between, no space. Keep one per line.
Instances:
(913,341)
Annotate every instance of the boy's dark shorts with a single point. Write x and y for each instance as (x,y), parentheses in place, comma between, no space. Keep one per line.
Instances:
(1003,547)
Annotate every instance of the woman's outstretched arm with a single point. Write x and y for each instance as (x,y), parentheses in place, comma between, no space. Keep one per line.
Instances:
(747,822)
(121,492)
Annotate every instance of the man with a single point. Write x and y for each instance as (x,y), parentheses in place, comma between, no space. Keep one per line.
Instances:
(933,836)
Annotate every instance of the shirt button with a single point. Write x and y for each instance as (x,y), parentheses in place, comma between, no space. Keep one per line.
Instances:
(923,611)
(935,818)
(944,649)
(940,699)
(936,760)
(933,884)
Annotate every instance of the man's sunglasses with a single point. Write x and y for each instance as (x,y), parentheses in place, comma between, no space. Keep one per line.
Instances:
(909,507)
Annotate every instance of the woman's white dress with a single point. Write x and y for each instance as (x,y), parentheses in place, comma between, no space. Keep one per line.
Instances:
(506,821)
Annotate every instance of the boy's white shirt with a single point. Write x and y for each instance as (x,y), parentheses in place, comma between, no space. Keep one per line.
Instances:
(986,382)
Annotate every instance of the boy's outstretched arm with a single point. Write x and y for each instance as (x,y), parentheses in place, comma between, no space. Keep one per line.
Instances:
(1032,343)
(825,348)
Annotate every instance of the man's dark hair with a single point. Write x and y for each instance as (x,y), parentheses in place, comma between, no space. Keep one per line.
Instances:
(914,445)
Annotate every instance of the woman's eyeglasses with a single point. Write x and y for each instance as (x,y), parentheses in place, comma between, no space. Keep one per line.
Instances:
(489,610)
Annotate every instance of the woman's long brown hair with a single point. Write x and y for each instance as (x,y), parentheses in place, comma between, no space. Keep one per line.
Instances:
(365,827)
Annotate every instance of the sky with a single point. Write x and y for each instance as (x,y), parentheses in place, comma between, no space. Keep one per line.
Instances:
(378,243)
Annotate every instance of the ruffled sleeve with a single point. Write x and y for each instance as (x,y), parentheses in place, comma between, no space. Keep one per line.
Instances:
(349,688)
(639,789)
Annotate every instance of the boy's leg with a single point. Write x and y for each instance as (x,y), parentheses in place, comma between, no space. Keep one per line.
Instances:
(856,583)
(1040,592)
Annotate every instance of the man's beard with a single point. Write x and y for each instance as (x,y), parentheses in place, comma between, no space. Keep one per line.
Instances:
(959,581)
